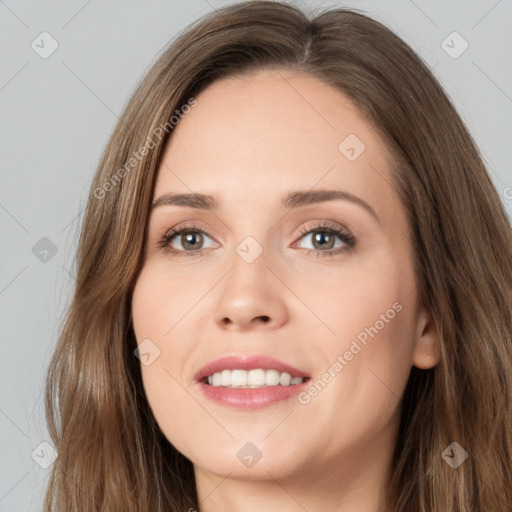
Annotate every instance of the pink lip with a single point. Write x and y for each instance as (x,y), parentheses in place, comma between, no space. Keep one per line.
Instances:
(247,398)
(246,362)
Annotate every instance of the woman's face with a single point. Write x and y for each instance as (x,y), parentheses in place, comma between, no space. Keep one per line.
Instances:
(305,258)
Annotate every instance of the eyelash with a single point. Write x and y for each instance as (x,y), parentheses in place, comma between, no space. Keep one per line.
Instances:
(345,236)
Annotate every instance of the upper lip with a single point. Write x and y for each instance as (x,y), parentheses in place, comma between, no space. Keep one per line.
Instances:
(248,362)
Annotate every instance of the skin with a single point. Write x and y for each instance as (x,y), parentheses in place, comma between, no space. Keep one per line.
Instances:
(249,142)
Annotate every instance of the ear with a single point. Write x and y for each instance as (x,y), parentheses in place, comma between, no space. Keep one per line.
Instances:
(427,350)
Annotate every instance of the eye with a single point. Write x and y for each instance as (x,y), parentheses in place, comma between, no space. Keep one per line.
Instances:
(189,240)
(182,240)
(323,238)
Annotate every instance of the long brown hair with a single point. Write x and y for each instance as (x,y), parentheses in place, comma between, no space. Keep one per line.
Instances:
(112,455)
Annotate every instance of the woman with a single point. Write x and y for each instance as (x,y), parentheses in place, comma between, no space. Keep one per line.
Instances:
(293,287)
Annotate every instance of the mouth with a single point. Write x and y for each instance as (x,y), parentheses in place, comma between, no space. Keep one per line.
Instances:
(249,371)
(250,381)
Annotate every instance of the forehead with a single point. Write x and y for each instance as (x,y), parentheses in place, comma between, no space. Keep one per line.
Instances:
(274,130)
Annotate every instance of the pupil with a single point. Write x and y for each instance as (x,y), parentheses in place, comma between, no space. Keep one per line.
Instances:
(321,237)
(190,239)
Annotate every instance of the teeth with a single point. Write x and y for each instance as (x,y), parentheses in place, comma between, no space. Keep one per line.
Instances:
(238,378)
(285,379)
(252,379)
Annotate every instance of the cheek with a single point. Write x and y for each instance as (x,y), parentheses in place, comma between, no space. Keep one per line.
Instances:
(160,299)
(363,375)
(156,312)
(368,299)
(146,304)
(370,313)
(180,418)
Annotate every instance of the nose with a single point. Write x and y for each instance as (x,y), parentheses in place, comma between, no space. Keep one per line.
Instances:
(251,297)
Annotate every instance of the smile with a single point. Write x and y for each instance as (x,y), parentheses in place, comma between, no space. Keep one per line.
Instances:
(256,378)
(246,381)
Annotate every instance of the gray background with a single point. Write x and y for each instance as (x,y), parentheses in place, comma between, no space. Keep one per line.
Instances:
(56,115)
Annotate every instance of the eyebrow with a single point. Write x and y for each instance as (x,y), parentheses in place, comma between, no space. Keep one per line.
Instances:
(292,200)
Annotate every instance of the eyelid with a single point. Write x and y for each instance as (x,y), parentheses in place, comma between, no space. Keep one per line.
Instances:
(164,239)
(327,225)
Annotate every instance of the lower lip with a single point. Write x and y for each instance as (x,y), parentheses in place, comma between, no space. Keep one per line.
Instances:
(250,398)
